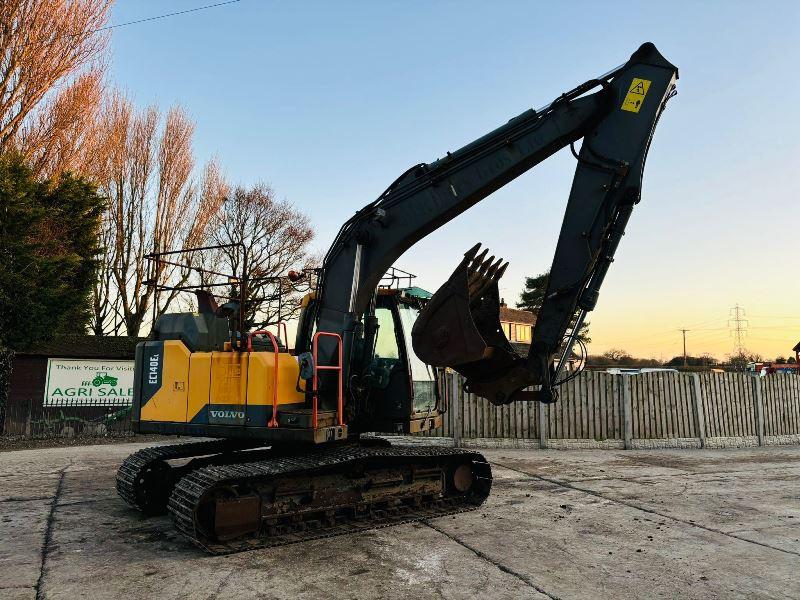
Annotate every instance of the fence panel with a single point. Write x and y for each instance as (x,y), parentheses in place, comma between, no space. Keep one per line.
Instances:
(589,408)
(781,398)
(66,421)
(662,407)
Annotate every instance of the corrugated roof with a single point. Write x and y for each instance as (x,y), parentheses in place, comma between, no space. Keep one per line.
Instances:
(85,346)
(417,292)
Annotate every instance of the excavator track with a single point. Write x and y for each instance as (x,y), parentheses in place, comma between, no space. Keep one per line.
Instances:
(323,493)
(145,479)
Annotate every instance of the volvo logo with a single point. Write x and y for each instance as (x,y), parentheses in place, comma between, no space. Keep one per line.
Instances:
(226,414)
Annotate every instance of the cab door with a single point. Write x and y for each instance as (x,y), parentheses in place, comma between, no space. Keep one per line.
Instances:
(404,395)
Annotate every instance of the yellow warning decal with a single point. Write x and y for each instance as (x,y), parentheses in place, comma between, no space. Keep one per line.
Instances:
(635,96)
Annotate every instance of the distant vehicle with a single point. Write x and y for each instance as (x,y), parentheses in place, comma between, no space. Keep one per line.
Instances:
(638,371)
(768,368)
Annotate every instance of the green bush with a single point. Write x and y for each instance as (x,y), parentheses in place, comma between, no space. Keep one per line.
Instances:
(49,247)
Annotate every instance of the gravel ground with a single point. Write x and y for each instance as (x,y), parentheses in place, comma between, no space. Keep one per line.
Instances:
(9,443)
(559,524)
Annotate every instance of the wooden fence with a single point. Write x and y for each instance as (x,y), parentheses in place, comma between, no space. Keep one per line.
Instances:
(661,405)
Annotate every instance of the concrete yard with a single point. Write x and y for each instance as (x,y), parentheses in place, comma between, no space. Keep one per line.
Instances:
(559,524)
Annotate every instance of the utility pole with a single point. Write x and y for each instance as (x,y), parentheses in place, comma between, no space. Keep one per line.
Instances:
(685,363)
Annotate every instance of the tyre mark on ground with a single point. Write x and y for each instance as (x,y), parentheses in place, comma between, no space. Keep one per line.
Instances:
(482,555)
(651,511)
(47,540)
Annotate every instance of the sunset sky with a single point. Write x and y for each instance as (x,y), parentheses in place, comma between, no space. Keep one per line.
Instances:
(329,102)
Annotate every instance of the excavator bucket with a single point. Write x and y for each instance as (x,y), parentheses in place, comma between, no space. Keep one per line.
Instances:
(460,325)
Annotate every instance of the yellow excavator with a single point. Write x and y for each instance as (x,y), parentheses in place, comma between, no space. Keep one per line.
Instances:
(292,455)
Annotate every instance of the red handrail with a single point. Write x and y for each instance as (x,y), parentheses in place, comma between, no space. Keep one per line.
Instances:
(317,367)
(273,422)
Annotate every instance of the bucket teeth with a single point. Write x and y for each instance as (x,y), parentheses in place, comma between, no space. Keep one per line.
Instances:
(461,320)
(487,264)
(483,272)
(470,254)
(477,261)
(490,272)
(500,272)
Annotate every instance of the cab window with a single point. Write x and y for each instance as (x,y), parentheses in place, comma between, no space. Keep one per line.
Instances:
(422,375)
(386,343)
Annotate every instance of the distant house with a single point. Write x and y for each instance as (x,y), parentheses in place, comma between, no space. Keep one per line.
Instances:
(517,324)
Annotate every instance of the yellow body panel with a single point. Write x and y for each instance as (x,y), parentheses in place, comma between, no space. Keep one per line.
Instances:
(199,383)
(169,402)
(261,379)
(194,381)
(228,378)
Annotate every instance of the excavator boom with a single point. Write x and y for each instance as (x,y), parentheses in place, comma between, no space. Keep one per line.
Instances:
(615,114)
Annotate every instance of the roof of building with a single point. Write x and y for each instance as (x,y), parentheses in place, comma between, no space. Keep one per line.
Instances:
(417,292)
(85,346)
(515,315)
(797,347)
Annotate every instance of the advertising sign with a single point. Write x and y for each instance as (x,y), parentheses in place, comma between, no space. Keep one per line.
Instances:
(82,382)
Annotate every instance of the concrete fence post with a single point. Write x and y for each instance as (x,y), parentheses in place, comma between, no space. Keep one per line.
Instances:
(455,406)
(699,411)
(627,417)
(540,412)
(759,409)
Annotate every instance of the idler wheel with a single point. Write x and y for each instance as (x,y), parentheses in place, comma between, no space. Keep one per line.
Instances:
(462,478)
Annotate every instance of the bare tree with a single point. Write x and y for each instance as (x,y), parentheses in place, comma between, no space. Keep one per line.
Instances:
(63,135)
(145,170)
(104,318)
(50,73)
(275,238)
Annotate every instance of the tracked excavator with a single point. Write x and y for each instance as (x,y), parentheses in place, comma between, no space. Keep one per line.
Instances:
(291,455)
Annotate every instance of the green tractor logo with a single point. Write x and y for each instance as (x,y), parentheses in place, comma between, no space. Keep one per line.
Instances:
(103,378)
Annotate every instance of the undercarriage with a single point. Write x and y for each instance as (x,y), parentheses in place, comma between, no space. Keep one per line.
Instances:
(229,498)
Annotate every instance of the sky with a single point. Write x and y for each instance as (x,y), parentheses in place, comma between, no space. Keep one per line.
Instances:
(328,102)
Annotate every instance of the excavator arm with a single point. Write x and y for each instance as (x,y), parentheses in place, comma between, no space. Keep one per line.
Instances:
(615,114)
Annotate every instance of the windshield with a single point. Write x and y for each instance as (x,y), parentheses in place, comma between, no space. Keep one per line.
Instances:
(386,343)
(422,375)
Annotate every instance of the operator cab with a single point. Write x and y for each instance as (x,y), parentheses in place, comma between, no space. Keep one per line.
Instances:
(394,391)
(405,391)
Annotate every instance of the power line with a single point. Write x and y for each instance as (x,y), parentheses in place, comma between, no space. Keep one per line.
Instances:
(155,18)
(775,316)
(666,332)
(164,16)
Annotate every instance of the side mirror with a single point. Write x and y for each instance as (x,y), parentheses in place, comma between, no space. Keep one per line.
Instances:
(306,362)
